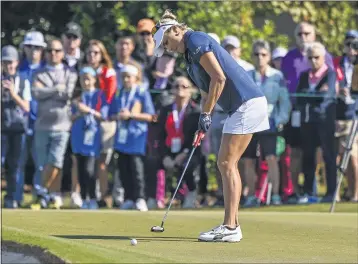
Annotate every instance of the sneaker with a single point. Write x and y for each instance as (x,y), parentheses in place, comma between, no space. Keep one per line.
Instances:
(276,199)
(127,205)
(161,204)
(85,205)
(93,205)
(303,199)
(251,201)
(221,233)
(57,202)
(189,200)
(152,204)
(327,199)
(141,205)
(10,204)
(76,200)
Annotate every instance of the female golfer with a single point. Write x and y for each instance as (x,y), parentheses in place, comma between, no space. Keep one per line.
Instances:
(221,80)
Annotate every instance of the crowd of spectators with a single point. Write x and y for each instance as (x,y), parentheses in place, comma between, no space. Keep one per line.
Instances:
(123,126)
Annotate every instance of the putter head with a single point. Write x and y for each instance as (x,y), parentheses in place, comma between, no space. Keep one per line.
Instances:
(157,229)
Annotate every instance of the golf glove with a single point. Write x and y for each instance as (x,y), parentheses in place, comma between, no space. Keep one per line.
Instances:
(204,122)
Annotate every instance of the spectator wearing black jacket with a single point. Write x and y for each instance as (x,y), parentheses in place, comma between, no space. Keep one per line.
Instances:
(179,123)
(318,113)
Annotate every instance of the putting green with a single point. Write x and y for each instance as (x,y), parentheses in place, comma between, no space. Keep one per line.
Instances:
(104,236)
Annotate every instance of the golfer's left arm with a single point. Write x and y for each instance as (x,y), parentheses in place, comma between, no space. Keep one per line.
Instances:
(211,65)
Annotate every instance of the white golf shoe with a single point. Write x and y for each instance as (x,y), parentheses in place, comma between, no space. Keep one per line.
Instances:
(221,233)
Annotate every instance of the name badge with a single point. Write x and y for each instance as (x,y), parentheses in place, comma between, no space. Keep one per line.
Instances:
(89,136)
(122,135)
(296,118)
(176,145)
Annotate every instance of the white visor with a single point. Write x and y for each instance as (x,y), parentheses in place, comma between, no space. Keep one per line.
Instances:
(158,38)
(130,69)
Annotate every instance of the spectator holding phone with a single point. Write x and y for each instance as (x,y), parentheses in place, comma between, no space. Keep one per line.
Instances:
(15,98)
(132,109)
(88,112)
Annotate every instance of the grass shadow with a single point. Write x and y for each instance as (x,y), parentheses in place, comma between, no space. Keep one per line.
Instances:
(139,238)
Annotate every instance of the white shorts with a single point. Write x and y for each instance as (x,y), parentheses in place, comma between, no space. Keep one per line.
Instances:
(251,117)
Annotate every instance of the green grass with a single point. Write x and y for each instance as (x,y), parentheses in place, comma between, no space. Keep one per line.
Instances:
(104,236)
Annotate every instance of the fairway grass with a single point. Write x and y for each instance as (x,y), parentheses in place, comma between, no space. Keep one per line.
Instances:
(104,236)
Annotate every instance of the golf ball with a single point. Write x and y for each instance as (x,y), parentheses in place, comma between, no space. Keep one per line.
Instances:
(134,242)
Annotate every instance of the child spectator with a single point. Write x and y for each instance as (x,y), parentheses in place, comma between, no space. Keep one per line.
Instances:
(88,112)
(15,98)
(132,109)
(178,122)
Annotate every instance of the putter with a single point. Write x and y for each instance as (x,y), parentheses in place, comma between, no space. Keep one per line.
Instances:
(160,229)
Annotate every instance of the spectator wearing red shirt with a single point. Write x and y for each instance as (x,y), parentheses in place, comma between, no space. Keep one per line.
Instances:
(98,58)
(174,119)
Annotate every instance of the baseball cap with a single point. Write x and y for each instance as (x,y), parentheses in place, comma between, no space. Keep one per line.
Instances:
(88,70)
(158,32)
(35,38)
(74,29)
(9,53)
(352,34)
(279,52)
(231,40)
(145,25)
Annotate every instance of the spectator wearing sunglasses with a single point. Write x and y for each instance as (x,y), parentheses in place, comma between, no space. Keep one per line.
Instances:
(53,87)
(33,53)
(346,108)
(318,113)
(273,85)
(293,64)
(98,58)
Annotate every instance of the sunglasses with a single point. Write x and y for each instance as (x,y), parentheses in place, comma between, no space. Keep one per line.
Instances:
(303,33)
(71,36)
(260,55)
(55,50)
(182,86)
(33,47)
(144,33)
(313,57)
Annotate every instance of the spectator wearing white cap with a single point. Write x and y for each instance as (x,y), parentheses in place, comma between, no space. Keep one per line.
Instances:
(15,97)
(132,109)
(233,45)
(277,56)
(32,60)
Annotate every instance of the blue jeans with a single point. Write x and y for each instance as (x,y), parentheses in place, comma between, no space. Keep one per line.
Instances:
(29,149)
(12,147)
(50,148)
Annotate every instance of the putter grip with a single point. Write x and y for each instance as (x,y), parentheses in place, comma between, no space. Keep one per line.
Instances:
(198,138)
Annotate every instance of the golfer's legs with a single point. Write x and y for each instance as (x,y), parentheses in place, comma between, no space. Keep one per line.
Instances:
(231,149)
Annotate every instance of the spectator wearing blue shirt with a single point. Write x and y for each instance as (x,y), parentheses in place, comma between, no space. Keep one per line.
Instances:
(221,80)
(33,52)
(132,108)
(15,98)
(88,112)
